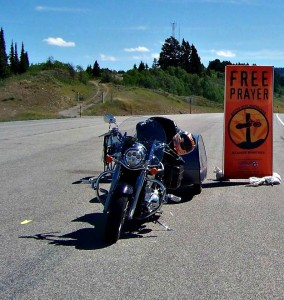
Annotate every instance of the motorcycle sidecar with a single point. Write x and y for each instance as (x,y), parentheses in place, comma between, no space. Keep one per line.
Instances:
(195,167)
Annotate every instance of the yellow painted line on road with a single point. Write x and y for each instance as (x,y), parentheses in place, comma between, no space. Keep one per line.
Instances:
(26,222)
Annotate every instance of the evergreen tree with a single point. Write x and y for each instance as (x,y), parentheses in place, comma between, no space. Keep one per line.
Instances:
(218,66)
(14,59)
(11,58)
(155,64)
(16,65)
(141,67)
(27,59)
(3,56)
(185,56)
(170,54)
(96,69)
(195,65)
(89,70)
(24,61)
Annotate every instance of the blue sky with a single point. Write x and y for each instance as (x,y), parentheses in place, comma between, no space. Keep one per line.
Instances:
(121,33)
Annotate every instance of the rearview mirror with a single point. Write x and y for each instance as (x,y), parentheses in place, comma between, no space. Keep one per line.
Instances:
(110,119)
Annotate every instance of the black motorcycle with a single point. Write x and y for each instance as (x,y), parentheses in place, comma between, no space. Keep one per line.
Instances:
(142,169)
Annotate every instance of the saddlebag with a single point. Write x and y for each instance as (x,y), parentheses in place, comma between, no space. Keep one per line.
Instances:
(173,176)
(173,170)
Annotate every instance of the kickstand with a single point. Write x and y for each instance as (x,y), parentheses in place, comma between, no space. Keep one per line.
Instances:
(163,225)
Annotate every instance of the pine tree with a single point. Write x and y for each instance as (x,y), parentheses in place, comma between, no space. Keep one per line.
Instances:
(141,67)
(14,59)
(195,65)
(24,61)
(11,57)
(185,56)
(155,64)
(96,69)
(170,54)
(3,56)
(89,70)
(27,59)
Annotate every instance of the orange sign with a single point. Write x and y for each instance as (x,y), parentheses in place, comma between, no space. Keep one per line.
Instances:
(248,121)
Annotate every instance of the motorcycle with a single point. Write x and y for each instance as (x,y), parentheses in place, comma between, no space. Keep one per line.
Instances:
(143,171)
(111,142)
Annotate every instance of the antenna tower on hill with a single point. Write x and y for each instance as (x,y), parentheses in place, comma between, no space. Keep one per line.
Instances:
(174,24)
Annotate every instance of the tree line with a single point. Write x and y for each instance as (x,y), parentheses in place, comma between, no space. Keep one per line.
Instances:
(178,70)
(12,63)
(184,55)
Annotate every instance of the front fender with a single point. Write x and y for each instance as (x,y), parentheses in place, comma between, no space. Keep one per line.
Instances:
(121,189)
(124,188)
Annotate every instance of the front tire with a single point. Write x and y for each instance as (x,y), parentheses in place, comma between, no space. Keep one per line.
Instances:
(115,219)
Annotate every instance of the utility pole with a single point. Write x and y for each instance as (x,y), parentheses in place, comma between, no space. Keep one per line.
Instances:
(173,28)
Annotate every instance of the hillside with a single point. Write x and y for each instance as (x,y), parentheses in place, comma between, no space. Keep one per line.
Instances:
(40,95)
(57,94)
(52,94)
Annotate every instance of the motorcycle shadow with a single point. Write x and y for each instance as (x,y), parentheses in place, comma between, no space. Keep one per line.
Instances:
(186,193)
(88,238)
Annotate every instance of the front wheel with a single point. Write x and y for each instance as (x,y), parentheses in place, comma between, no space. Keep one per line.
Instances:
(115,219)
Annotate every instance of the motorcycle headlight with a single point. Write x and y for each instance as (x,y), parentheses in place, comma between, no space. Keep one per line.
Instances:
(134,157)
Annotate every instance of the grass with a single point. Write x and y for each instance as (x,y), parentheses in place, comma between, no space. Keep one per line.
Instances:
(44,94)
(278,105)
(136,101)
(40,95)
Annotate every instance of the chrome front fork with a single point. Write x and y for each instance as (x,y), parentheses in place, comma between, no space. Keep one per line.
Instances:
(115,178)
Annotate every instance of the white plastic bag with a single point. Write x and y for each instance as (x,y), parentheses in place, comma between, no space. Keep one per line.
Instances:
(266,180)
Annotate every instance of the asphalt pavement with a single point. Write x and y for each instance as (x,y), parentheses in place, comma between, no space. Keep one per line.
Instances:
(226,243)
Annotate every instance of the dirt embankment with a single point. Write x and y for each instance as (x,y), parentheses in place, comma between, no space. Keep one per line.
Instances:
(76,111)
(46,95)
(24,95)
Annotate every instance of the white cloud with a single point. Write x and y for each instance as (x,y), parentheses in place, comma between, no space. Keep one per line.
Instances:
(224,53)
(58,42)
(137,49)
(139,57)
(107,58)
(155,55)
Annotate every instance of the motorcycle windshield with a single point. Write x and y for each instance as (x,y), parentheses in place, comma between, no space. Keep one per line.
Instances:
(144,129)
(148,132)
(153,136)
